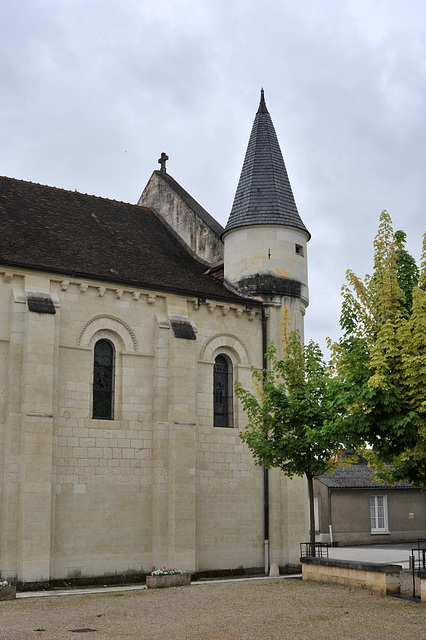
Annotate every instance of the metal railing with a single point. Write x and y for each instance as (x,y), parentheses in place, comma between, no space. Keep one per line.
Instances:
(317,550)
(417,560)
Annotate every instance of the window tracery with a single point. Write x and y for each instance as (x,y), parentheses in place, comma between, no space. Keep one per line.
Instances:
(222,392)
(103,380)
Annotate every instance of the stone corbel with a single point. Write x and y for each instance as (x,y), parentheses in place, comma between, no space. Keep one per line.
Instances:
(64,285)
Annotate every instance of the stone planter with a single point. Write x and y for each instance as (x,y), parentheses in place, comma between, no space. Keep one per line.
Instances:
(8,593)
(161,582)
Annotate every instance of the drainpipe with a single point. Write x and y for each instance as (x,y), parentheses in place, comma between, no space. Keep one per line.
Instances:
(265,470)
(330,521)
(266,518)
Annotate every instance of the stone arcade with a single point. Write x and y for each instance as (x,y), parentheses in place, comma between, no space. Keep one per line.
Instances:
(122,330)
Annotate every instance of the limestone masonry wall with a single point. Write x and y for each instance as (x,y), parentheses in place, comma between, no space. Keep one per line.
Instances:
(158,484)
(381,578)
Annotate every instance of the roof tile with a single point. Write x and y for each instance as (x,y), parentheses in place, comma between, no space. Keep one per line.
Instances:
(357,476)
(61,231)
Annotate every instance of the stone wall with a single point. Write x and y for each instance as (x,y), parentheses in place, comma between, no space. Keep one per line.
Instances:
(277,251)
(422,576)
(380,578)
(158,484)
(192,225)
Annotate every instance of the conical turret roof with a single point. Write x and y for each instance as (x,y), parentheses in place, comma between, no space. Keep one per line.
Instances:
(264,194)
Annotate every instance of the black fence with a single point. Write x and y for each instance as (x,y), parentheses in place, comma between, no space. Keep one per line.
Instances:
(317,550)
(418,560)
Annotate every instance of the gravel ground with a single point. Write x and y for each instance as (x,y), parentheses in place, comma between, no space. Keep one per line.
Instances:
(280,609)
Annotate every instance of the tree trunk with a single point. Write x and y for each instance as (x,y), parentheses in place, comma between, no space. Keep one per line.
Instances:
(310,479)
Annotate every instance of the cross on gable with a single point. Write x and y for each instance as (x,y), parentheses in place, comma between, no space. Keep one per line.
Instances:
(162,161)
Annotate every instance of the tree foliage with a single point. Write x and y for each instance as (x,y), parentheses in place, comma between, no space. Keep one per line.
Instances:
(407,270)
(380,359)
(291,414)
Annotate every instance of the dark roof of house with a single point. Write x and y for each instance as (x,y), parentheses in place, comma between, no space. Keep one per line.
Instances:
(264,194)
(66,232)
(357,476)
(191,202)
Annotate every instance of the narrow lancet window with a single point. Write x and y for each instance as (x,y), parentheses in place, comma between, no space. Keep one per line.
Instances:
(103,381)
(222,392)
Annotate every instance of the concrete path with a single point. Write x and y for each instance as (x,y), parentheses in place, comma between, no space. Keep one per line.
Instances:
(76,591)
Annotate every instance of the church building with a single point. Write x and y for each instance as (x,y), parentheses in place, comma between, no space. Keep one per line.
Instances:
(123,329)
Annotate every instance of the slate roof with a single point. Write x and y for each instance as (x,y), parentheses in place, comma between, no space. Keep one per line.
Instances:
(66,232)
(357,476)
(264,194)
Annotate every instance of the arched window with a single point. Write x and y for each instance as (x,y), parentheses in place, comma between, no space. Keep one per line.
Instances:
(222,392)
(103,381)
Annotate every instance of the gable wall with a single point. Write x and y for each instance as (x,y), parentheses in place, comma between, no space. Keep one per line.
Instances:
(199,237)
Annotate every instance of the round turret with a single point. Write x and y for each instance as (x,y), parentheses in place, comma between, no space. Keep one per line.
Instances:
(265,239)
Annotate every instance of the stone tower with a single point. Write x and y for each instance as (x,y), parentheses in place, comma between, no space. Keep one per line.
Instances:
(265,239)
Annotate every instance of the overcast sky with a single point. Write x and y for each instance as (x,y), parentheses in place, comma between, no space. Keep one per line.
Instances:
(92,91)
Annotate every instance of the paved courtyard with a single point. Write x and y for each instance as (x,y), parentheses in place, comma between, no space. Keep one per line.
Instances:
(384,553)
(262,609)
(250,609)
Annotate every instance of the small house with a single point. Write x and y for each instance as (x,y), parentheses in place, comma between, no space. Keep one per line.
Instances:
(353,507)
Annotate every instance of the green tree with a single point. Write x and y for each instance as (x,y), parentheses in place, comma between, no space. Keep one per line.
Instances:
(407,270)
(291,414)
(381,358)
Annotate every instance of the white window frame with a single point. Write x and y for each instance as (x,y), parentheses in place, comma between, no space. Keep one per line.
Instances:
(379,514)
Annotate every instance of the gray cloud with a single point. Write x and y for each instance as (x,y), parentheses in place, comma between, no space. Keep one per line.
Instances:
(92,92)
